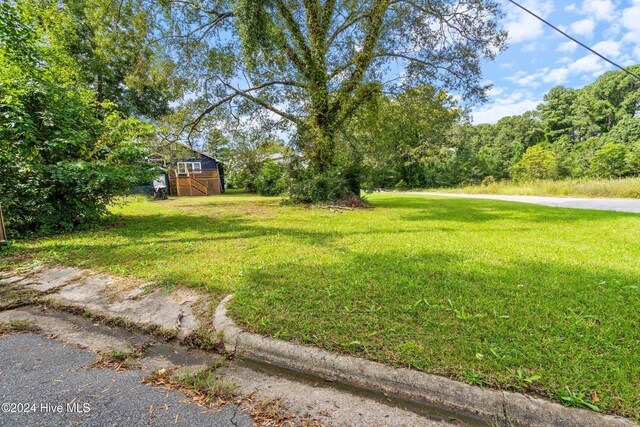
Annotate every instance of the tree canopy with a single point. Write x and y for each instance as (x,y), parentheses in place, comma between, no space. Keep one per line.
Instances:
(65,154)
(311,66)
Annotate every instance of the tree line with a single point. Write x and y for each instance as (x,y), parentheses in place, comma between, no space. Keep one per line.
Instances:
(421,138)
(592,132)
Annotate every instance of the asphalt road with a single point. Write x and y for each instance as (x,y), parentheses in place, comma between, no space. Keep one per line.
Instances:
(618,205)
(42,374)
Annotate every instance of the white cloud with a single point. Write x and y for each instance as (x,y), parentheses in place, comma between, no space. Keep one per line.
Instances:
(569,46)
(631,22)
(584,27)
(495,91)
(557,76)
(588,64)
(572,8)
(523,27)
(608,48)
(517,102)
(602,10)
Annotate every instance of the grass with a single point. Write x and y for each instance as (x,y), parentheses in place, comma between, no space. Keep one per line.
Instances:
(17,326)
(617,188)
(516,296)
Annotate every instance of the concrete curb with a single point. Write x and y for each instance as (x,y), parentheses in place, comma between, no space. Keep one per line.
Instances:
(504,408)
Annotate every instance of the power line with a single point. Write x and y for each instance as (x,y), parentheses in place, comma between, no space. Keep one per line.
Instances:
(577,41)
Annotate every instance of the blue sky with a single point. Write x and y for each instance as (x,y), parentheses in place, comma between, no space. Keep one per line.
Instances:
(538,58)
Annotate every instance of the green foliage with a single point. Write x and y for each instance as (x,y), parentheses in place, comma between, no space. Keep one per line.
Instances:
(575,124)
(626,131)
(537,163)
(112,48)
(270,181)
(557,112)
(312,67)
(488,180)
(325,187)
(406,140)
(634,159)
(63,156)
(249,154)
(611,161)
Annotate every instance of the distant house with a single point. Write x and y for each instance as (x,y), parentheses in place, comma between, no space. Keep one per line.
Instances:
(190,173)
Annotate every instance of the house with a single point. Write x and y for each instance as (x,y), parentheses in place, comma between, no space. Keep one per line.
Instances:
(190,173)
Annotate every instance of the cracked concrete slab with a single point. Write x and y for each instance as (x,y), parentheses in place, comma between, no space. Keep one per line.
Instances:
(141,305)
(86,333)
(51,278)
(12,279)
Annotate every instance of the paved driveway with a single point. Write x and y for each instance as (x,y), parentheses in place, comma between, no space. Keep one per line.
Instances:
(619,205)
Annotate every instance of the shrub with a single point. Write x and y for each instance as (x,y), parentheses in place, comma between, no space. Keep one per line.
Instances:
(320,188)
(536,163)
(611,161)
(401,185)
(488,180)
(63,156)
(270,180)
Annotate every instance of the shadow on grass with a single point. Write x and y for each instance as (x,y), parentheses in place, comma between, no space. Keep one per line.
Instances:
(480,210)
(575,327)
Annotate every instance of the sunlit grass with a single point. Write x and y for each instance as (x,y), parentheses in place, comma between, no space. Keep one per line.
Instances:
(493,293)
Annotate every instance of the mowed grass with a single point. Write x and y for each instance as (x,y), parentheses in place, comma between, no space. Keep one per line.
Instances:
(618,188)
(497,294)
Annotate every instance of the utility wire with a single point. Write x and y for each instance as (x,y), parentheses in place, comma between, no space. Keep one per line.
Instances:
(577,41)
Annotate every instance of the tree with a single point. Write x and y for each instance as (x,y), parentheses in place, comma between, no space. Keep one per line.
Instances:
(626,131)
(557,113)
(270,181)
(537,163)
(60,164)
(401,136)
(611,161)
(114,46)
(315,64)
(249,153)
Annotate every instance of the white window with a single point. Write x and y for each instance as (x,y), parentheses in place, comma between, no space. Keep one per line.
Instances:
(192,167)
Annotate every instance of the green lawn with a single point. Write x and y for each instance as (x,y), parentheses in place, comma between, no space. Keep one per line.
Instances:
(493,293)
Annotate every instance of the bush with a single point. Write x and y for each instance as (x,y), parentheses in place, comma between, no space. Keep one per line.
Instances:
(633,159)
(611,161)
(320,188)
(488,180)
(536,163)
(63,156)
(401,185)
(270,180)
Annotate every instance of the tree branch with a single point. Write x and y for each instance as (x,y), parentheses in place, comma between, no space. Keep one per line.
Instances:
(245,94)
